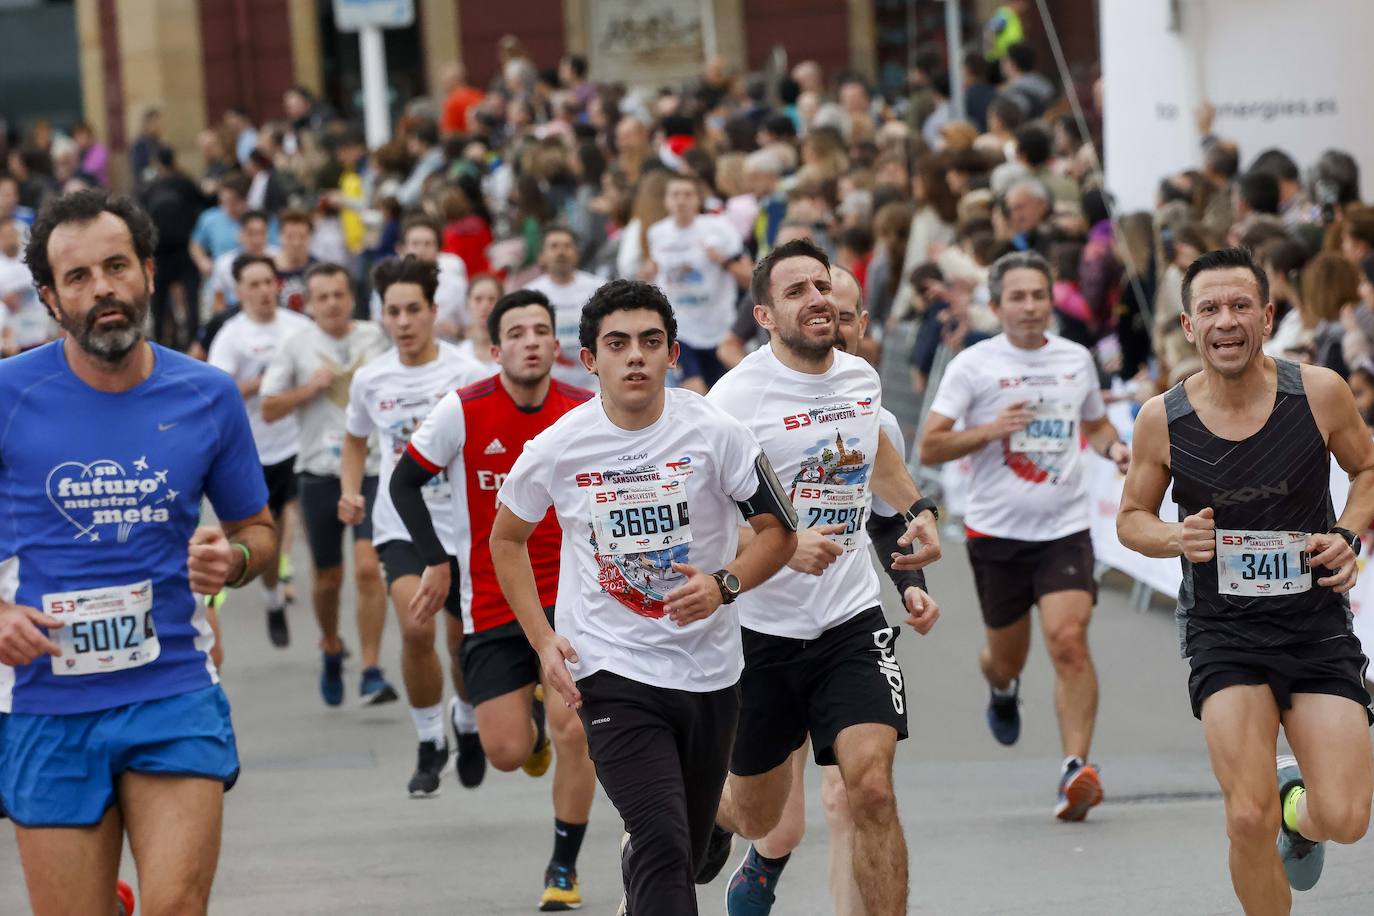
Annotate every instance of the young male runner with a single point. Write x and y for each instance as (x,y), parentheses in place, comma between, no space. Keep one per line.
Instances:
(309,378)
(244,348)
(117,724)
(819,655)
(648,484)
(753,885)
(391,396)
(475,435)
(1027,398)
(1263,615)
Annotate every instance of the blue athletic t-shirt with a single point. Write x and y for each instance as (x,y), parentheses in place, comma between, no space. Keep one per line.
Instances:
(99,496)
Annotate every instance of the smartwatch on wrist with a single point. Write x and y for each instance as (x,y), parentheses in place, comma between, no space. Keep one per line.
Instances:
(729,585)
(925,503)
(1350,538)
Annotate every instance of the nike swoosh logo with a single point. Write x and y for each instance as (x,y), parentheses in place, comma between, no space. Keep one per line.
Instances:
(163,427)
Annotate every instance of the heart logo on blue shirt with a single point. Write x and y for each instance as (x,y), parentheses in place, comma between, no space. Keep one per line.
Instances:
(103,495)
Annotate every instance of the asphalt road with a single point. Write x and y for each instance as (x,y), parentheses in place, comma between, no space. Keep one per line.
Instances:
(320,822)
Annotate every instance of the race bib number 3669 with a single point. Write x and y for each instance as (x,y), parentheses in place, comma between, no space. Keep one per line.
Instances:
(1262,563)
(105,629)
(640,517)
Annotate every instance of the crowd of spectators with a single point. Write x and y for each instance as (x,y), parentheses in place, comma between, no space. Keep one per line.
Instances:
(543,176)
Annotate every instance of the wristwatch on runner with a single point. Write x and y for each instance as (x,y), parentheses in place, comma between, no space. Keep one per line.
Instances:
(729,585)
(1351,538)
(919,506)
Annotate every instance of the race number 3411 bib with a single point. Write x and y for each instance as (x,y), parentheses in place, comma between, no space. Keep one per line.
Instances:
(640,517)
(1262,563)
(1054,429)
(107,629)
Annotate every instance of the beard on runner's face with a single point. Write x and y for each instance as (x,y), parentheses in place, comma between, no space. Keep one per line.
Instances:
(795,338)
(113,341)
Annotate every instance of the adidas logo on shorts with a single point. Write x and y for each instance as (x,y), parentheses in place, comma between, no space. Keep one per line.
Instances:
(494,448)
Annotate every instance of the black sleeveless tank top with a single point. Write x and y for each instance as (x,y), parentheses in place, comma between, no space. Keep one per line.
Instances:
(1276,480)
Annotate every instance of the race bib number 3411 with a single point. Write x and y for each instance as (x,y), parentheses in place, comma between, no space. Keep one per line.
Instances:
(1262,563)
(105,629)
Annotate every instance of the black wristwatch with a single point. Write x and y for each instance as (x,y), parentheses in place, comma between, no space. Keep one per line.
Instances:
(729,585)
(919,506)
(1350,537)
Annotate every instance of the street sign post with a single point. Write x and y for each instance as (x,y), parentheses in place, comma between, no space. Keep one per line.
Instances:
(368,18)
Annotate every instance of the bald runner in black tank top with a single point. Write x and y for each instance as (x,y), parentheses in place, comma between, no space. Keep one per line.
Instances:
(1277,480)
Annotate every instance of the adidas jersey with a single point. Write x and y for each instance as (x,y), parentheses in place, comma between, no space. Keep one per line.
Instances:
(475,434)
(99,496)
(392,400)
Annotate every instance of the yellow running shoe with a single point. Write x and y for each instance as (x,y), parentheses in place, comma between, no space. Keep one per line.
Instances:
(538,762)
(561,892)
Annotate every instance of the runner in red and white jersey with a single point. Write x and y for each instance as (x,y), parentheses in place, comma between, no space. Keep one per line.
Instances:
(476,434)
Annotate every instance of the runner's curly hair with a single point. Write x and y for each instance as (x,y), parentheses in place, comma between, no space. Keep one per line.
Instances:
(83,207)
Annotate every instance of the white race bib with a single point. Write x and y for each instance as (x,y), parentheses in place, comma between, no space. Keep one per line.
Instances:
(833,504)
(640,517)
(1262,563)
(107,629)
(332,440)
(1054,429)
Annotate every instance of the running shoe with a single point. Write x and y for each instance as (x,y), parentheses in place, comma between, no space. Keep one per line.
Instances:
(1302,858)
(331,679)
(277,630)
(1004,715)
(430,764)
(538,762)
(561,892)
(471,759)
(751,888)
(124,899)
(718,851)
(1080,789)
(373,689)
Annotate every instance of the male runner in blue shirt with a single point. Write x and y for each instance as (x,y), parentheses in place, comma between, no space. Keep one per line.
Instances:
(107,445)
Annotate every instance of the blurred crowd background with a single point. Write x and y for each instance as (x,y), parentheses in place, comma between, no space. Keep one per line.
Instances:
(535,172)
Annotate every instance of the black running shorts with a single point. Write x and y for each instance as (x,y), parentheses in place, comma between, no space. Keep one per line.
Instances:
(399,559)
(1332,666)
(498,660)
(281,484)
(1012,575)
(320,514)
(794,687)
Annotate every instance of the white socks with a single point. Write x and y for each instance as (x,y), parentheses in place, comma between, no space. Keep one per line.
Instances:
(275,598)
(464,717)
(429,723)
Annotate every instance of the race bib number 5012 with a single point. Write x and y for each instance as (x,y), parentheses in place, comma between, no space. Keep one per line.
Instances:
(105,629)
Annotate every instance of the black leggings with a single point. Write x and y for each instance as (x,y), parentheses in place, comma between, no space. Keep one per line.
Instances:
(661,756)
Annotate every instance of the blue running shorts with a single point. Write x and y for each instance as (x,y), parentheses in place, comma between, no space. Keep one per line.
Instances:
(61,771)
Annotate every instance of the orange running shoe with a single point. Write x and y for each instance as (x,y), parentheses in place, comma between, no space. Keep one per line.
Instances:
(1079,790)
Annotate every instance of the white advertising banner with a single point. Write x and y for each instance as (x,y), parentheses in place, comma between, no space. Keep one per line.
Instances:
(1278,72)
